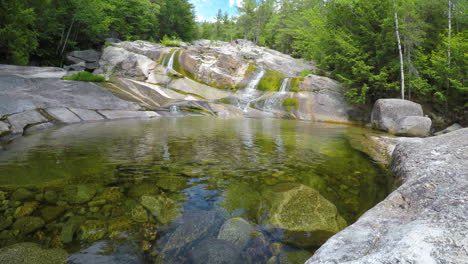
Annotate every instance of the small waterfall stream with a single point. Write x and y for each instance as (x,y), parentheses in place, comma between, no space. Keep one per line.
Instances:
(173,109)
(170,64)
(250,92)
(274,100)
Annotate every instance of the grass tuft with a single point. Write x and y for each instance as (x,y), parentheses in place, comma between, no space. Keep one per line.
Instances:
(85,77)
(288,103)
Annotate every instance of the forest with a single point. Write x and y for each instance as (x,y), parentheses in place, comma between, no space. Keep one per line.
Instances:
(392,48)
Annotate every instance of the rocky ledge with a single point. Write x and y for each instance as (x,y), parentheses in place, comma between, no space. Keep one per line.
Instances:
(424,220)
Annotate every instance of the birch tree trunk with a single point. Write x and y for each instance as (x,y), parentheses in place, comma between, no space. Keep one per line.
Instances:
(449,30)
(400,52)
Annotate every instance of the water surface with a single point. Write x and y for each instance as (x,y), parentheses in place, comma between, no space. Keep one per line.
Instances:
(184,190)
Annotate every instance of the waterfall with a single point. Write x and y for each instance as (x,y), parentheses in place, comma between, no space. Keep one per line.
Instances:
(170,64)
(274,100)
(249,93)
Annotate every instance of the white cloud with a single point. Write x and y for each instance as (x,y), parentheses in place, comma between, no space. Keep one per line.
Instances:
(236,2)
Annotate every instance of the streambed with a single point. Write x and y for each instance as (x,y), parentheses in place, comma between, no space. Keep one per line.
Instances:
(186,190)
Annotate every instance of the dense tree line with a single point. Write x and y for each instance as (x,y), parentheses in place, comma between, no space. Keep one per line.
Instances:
(355,42)
(43,31)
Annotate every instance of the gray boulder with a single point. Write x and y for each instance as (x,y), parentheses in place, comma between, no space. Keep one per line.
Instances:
(414,126)
(31,253)
(424,220)
(237,231)
(4,128)
(449,129)
(87,115)
(387,113)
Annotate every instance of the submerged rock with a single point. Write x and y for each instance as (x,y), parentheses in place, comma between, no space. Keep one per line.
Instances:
(78,194)
(165,209)
(215,251)
(21,194)
(307,218)
(237,231)
(31,253)
(28,224)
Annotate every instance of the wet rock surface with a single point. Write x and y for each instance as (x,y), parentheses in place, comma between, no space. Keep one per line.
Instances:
(424,220)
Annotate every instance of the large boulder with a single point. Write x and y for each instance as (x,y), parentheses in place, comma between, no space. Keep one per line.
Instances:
(31,253)
(306,217)
(424,220)
(387,113)
(82,60)
(237,231)
(414,126)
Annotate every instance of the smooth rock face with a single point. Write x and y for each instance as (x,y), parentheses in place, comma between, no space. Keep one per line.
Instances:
(63,115)
(387,113)
(31,253)
(23,90)
(306,217)
(424,220)
(414,126)
(21,120)
(449,129)
(87,115)
(114,114)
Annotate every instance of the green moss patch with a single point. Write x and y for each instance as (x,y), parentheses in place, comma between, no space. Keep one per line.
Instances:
(288,103)
(295,84)
(270,83)
(85,77)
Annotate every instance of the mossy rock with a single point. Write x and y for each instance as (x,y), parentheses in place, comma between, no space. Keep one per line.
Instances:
(28,224)
(112,195)
(70,227)
(78,194)
(241,198)
(143,189)
(50,213)
(165,209)
(119,225)
(26,209)
(136,211)
(31,253)
(307,218)
(270,84)
(172,183)
(295,82)
(5,222)
(93,230)
(22,194)
(294,257)
(51,197)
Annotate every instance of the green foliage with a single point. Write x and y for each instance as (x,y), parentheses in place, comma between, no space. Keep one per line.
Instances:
(289,103)
(171,42)
(85,77)
(305,72)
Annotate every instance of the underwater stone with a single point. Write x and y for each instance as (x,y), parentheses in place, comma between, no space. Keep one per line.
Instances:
(214,251)
(98,202)
(51,197)
(28,224)
(50,213)
(70,227)
(237,231)
(172,183)
(294,257)
(307,218)
(165,209)
(136,211)
(92,230)
(5,222)
(26,209)
(2,196)
(143,189)
(31,253)
(21,194)
(78,194)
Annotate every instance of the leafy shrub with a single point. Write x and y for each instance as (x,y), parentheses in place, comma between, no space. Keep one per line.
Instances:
(85,77)
(305,72)
(291,102)
(171,41)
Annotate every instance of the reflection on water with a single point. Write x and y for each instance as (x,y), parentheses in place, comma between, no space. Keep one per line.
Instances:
(186,190)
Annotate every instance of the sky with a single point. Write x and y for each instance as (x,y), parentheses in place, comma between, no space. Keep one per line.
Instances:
(207,9)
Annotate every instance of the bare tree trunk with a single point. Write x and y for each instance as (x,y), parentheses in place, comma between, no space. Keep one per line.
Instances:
(400,52)
(61,39)
(448,50)
(68,35)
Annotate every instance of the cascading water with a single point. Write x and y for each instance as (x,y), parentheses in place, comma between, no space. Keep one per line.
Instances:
(273,101)
(250,92)
(170,64)
(173,109)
